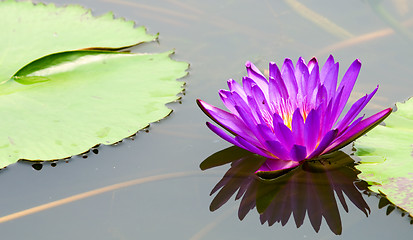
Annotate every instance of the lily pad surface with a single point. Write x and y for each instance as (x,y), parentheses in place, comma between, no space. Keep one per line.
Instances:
(386,154)
(65,88)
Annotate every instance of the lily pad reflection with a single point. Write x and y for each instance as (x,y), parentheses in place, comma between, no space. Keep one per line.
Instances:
(310,188)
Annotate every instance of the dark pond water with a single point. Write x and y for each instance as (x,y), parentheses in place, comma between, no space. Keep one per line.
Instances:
(217,37)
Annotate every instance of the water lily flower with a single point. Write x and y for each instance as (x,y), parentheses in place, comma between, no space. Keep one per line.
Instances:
(294,115)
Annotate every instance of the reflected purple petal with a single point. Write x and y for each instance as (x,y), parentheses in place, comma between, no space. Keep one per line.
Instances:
(309,189)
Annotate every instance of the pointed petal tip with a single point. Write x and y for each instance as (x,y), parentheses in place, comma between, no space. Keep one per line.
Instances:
(330,58)
(378,118)
(209,110)
(389,111)
(273,66)
(210,125)
(313,59)
(199,102)
(357,63)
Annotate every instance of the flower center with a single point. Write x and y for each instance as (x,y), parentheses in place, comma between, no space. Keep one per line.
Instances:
(285,109)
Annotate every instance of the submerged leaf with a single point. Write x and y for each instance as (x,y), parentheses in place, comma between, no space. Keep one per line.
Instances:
(387,158)
(55,101)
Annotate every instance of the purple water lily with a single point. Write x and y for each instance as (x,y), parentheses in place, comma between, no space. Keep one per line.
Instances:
(293,115)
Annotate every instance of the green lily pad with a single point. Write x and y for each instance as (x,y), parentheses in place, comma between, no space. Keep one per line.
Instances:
(56,101)
(387,157)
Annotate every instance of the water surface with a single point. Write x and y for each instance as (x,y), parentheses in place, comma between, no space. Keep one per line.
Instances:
(216,38)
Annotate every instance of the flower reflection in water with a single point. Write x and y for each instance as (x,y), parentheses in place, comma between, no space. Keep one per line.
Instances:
(308,188)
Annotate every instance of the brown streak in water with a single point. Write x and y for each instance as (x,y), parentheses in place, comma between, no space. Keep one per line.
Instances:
(361,39)
(401,6)
(209,227)
(98,191)
(318,19)
(154,9)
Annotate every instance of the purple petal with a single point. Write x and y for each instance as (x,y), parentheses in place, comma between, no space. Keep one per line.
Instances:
(276,119)
(322,105)
(248,146)
(287,73)
(361,128)
(274,71)
(284,135)
(327,67)
(228,121)
(352,125)
(347,83)
(327,117)
(223,118)
(266,132)
(216,114)
(253,91)
(330,80)
(237,141)
(249,120)
(298,153)
(256,110)
(325,142)
(277,88)
(235,87)
(298,127)
(247,84)
(335,112)
(260,98)
(276,164)
(278,150)
(227,99)
(355,110)
(301,75)
(238,101)
(224,135)
(311,130)
(314,78)
(321,99)
(313,97)
(312,63)
(251,123)
(257,76)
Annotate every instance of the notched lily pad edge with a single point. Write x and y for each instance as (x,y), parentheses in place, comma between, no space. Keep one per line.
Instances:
(384,201)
